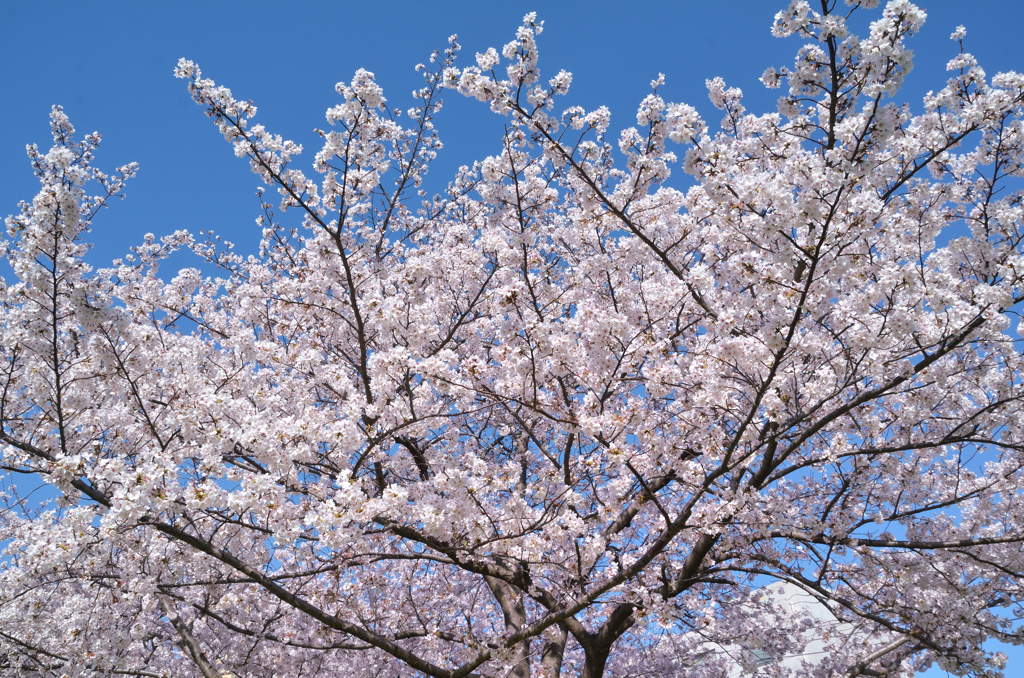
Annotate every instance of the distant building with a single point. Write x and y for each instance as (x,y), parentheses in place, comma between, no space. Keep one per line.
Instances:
(801,634)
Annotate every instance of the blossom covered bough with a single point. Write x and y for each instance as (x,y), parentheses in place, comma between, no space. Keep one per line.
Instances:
(563,419)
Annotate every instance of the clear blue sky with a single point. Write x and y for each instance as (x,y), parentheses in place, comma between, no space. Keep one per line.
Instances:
(109,64)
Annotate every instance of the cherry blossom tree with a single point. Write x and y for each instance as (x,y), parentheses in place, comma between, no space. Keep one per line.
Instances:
(564,419)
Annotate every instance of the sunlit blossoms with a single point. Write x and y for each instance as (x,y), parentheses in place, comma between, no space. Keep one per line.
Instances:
(564,419)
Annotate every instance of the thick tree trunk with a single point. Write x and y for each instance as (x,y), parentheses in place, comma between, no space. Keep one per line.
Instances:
(596,658)
(511,602)
(554,650)
(599,645)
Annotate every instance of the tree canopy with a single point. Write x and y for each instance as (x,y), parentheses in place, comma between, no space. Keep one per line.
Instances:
(562,419)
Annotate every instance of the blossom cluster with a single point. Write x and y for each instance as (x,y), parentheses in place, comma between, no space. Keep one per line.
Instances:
(566,418)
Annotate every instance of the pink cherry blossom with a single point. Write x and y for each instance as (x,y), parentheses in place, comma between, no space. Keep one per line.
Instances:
(564,419)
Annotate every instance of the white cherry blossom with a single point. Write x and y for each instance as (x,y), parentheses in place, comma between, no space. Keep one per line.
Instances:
(565,418)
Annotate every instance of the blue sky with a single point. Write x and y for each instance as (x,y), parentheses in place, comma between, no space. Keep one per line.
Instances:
(109,63)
